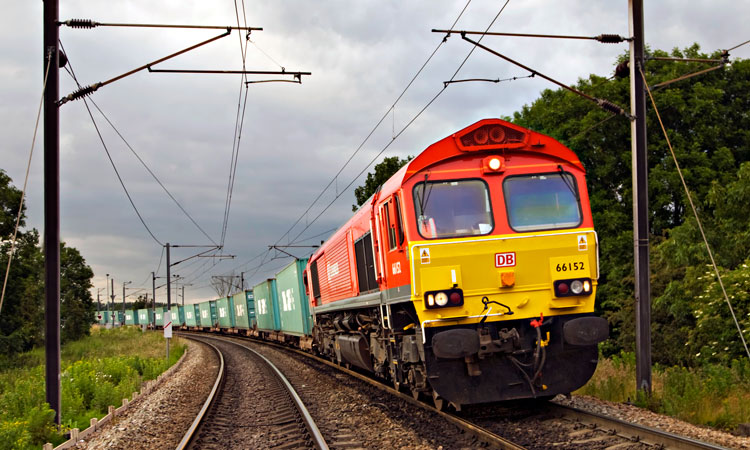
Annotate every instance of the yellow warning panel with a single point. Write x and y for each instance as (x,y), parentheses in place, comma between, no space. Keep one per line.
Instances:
(583,243)
(424,255)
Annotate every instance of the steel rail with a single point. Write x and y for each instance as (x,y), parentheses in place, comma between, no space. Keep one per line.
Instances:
(317,437)
(188,437)
(643,433)
(482,434)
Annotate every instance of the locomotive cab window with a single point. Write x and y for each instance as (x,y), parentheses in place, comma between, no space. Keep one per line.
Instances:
(542,201)
(453,208)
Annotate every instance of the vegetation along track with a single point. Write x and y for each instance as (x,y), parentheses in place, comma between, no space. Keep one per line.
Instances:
(251,406)
(532,425)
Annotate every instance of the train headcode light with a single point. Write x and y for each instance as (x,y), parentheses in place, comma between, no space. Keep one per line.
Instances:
(493,164)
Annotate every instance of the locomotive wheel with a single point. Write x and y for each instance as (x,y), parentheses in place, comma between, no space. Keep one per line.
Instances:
(415,393)
(396,385)
(438,401)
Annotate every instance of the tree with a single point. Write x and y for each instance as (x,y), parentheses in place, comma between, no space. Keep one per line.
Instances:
(382,172)
(225,284)
(142,302)
(77,306)
(707,121)
(22,315)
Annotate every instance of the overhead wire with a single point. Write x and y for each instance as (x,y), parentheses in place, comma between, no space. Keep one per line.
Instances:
(737,46)
(377,125)
(25,183)
(338,195)
(695,214)
(148,169)
(445,86)
(239,122)
(71,72)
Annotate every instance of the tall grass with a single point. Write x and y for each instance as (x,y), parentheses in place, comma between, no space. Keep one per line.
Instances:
(97,371)
(712,395)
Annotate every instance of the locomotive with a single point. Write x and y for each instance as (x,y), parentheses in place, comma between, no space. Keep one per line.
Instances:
(470,275)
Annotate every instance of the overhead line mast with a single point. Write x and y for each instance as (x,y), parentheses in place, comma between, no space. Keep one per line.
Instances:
(51,54)
(640,199)
(53,60)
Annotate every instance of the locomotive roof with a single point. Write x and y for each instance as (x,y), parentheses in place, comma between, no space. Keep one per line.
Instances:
(515,139)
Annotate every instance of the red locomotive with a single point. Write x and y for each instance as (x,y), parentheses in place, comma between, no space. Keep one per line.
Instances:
(470,276)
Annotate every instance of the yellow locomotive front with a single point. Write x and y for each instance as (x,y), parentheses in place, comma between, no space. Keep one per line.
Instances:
(503,265)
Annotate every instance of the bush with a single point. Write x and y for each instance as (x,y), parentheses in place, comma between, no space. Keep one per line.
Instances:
(92,379)
(713,395)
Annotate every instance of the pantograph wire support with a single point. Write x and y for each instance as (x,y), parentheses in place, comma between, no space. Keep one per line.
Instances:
(602,103)
(89,24)
(88,90)
(603,38)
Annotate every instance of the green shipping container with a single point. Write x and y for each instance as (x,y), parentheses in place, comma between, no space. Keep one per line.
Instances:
(131,317)
(267,305)
(208,314)
(118,316)
(159,315)
(224,307)
(101,317)
(178,316)
(294,308)
(244,310)
(192,313)
(145,316)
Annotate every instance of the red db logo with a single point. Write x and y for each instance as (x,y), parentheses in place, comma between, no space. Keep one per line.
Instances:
(505,259)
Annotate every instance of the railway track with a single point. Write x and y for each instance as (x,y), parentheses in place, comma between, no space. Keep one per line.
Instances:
(546,425)
(569,427)
(262,412)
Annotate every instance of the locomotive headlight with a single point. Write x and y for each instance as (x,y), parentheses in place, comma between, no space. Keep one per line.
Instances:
(576,287)
(494,163)
(443,298)
(587,286)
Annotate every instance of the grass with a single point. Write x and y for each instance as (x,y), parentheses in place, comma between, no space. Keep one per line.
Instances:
(712,395)
(97,371)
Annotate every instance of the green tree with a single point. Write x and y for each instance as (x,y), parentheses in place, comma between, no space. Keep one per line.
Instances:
(382,172)
(77,306)
(707,121)
(22,315)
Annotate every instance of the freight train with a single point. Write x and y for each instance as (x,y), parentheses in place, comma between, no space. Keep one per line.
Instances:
(468,277)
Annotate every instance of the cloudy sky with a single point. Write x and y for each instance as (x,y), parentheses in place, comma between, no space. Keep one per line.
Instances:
(295,137)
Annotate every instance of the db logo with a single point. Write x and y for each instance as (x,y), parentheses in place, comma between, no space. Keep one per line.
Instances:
(505,259)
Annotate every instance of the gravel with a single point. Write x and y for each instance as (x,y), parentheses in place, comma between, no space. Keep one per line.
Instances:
(647,418)
(161,418)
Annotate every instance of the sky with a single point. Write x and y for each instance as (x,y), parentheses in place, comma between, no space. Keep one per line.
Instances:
(295,138)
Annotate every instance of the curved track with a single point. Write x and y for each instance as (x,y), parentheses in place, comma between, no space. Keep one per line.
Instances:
(621,434)
(253,406)
(509,427)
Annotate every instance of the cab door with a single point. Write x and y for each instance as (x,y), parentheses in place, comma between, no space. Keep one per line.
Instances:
(392,243)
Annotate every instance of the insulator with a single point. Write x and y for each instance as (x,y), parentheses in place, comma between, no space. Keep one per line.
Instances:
(81,23)
(610,38)
(80,93)
(609,106)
